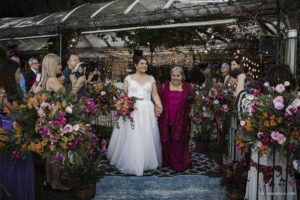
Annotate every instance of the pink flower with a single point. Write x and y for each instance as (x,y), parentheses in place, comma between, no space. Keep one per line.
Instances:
(216,101)
(205,114)
(278,103)
(44,105)
(41,113)
(298,93)
(279,88)
(296,103)
(76,127)
(68,110)
(225,108)
(204,108)
(259,144)
(275,135)
(266,84)
(281,139)
(68,128)
(289,110)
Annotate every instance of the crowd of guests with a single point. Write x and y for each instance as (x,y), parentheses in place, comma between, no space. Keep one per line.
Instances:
(172,106)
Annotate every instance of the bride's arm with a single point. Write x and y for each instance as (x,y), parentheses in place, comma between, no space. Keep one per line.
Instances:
(125,86)
(156,98)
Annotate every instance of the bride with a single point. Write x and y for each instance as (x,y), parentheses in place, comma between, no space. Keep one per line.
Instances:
(136,150)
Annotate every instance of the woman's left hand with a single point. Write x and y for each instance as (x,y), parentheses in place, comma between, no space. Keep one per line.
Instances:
(191,114)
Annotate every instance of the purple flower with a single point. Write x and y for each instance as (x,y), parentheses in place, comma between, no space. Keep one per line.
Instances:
(280,88)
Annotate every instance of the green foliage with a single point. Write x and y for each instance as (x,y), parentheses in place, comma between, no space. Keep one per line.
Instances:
(88,173)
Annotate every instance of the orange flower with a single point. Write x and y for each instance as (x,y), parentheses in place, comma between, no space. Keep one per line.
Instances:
(264,152)
(42,97)
(248,125)
(267,124)
(265,114)
(15,105)
(6,109)
(24,146)
(33,102)
(242,145)
(272,117)
(18,128)
(1,130)
(273,123)
(58,105)
(238,142)
(64,104)
(2,144)
(3,138)
(279,119)
(246,150)
(260,127)
(52,147)
(44,143)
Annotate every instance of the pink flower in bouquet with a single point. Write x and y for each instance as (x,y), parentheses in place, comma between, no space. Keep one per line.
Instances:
(266,84)
(278,102)
(68,110)
(205,115)
(41,113)
(280,88)
(290,110)
(68,128)
(216,101)
(76,127)
(298,93)
(275,135)
(260,134)
(259,144)
(281,139)
(44,105)
(296,103)
(204,108)
(225,108)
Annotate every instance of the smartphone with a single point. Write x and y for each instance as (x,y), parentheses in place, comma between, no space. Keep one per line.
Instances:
(96,69)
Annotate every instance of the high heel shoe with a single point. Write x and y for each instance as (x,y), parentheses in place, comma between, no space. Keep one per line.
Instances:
(45,185)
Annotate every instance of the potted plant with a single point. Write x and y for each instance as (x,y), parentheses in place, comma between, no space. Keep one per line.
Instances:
(234,177)
(84,177)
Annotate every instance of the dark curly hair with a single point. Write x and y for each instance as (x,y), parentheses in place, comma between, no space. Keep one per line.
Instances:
(279,74)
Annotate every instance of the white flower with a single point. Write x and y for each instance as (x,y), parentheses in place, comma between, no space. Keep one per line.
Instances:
(243,123)
(250,97)
(76,127)
(103,93)
(266,84)
(286,84)
(68,110)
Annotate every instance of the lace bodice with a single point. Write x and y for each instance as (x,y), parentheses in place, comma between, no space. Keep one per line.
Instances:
(140,91)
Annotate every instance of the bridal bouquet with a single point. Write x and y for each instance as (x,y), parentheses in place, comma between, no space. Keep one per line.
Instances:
(124,107)
(272,119)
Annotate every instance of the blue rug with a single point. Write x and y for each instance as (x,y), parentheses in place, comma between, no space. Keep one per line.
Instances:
(184,187)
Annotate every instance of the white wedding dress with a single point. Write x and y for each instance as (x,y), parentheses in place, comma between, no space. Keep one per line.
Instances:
(133,151)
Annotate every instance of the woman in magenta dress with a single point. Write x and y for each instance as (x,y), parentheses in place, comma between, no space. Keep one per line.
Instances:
(175,121)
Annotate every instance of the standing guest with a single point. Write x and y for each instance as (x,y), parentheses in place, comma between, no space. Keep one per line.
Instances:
(13,55)
(17,177)
(224,72)
(74,65)
(30,76)
(175,121)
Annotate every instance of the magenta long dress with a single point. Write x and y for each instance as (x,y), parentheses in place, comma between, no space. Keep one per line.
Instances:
(174,126)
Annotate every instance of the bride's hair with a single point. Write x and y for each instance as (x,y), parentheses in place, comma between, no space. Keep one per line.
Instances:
(179,69)
(138,59)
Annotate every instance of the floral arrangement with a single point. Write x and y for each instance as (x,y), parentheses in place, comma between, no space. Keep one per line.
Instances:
(210,103)
(52,129)
(124,107)
(105,96)
(234,174)
(272,119)
(15,143)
